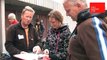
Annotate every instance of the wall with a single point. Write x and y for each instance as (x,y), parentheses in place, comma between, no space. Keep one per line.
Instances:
(2,25)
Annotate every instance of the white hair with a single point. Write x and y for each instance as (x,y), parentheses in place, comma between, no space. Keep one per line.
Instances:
(82,2)
(11,16)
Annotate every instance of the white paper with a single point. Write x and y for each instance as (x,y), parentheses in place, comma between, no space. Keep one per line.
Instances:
(28,56)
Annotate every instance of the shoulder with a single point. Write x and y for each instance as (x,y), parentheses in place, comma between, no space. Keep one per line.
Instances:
(87,23)
(13,26)
(65,28)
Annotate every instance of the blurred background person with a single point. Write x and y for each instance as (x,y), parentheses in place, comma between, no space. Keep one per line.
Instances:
(12,19)
(39,27)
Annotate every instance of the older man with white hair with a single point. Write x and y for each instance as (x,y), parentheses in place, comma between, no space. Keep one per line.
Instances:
(89,40)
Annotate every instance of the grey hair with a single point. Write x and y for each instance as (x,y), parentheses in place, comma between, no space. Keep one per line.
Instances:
(11,16)
(82,1)
(28,8)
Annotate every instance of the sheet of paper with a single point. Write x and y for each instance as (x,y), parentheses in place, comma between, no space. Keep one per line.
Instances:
(29,56)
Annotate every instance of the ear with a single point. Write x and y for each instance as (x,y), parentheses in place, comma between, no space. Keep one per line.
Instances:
(105,19)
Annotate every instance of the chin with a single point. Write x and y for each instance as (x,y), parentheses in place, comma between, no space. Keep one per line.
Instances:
(27,24)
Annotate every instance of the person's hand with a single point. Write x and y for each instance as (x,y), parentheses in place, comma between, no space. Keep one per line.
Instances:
(23,52)
(46,57)
(46,51)
(36,49)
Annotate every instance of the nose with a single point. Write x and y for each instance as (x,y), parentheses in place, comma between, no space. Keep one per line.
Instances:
(28,18)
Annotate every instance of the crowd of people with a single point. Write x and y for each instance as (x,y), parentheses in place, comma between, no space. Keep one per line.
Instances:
(88,41)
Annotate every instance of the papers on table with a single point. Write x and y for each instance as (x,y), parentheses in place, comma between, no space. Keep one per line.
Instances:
(29,56)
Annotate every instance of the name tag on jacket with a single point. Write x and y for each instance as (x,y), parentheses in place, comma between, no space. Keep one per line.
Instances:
(20,36)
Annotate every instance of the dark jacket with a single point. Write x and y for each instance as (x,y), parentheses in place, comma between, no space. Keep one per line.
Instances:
(16,39)
(57,42)
(87,43)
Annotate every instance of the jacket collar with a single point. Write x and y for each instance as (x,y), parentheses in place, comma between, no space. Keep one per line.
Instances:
(85,14)
(30,25)
(62,28)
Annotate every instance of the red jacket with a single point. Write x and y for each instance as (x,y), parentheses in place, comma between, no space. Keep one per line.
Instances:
(14,22)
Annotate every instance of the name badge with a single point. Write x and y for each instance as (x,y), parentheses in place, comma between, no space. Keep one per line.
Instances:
(20,36)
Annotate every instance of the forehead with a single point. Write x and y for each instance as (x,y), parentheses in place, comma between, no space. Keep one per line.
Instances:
(67,3)
(28,11)
(52,20)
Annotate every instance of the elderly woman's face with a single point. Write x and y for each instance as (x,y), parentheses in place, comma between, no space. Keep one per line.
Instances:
(54,23)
